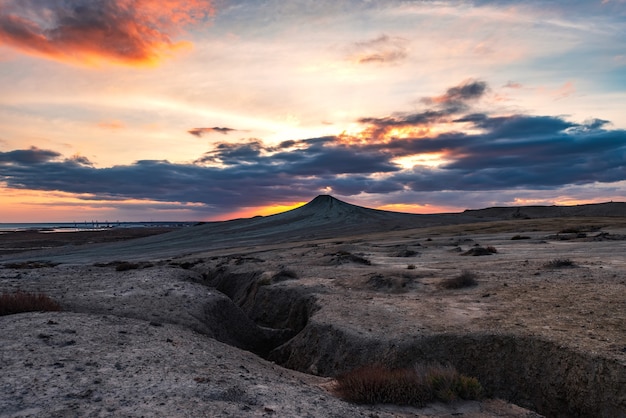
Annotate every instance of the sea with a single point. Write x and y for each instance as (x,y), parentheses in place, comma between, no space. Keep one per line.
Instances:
(87,226)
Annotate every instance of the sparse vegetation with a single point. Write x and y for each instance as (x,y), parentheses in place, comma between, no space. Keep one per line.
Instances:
(415,386)
(396,283)
(560,263)
(465,279)
(30,265)
(124,265)
(342,257)
(17,302)
(406,253)
(478,251)
(186,265)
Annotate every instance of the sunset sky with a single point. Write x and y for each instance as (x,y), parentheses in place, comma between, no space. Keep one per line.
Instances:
(208,110)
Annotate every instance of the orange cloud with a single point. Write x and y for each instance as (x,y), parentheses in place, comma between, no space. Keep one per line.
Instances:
(564,91)
(129,32)
(385,134)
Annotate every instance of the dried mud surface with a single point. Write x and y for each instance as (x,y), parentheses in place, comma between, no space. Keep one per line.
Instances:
(21,241)
(176,336)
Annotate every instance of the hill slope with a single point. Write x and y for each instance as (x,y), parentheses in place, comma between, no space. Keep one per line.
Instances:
(323,217)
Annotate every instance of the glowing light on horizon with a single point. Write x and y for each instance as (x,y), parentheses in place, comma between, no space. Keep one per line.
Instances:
(418,209)
(258,211)
(45,206)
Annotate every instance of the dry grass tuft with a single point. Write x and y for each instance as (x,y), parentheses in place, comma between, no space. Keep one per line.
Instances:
(465,279)
(343,257)
(17,302)
(415,386)
(478,251)
(125,265)
(559,263)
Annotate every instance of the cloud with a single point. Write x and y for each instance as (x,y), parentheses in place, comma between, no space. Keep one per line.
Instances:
(501,154)
(199,132)
(382,50)
(456,97)
(564,91)
(131,32)
(442,108)
(513,85)
(28,157)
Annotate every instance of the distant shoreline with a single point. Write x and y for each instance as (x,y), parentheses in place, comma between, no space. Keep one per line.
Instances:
(53,227)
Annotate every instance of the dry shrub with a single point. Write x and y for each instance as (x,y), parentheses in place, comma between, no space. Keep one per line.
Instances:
(560,263)
(395,283)
(465,279)
(478,251)
(343,257)
(415,386)
(17,302)
(406,253)
(124,265)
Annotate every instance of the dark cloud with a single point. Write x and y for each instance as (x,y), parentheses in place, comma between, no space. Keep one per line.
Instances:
(27,157)
(522,126)
(78,159)
(444,108)
(502,153)
(455,99)
(421,118)
(384,49)
(469,90)
(85,31)
(201,131)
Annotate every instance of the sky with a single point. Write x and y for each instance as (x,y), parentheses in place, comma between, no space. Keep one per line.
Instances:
(136,110)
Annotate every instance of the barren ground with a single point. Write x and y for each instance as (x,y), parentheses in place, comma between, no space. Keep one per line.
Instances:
(149,341)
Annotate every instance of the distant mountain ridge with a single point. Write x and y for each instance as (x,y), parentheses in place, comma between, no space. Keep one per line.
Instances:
(535,211)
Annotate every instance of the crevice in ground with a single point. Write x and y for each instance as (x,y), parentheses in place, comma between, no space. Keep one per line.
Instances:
(540,375)
(554,380)
(279,312)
